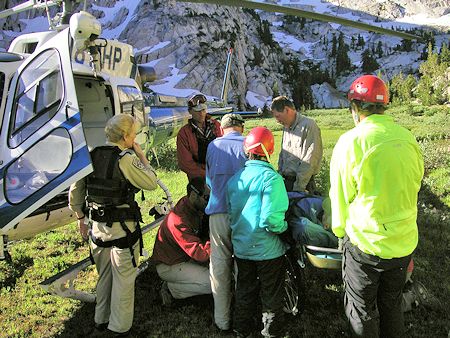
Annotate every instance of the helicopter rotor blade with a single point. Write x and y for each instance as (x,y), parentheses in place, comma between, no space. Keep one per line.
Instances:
(307,14)
(31,4)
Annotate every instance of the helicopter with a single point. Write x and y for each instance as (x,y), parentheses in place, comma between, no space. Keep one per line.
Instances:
(68,83)
(58,89)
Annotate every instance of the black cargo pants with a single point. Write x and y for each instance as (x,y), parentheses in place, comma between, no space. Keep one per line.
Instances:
(266,280)
(373,293)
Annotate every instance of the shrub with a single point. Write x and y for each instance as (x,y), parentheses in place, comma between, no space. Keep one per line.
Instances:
(435,155)
(417,111)
(323,177)
(166,156)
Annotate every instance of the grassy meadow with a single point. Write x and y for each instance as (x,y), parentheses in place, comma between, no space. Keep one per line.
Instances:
(26,311)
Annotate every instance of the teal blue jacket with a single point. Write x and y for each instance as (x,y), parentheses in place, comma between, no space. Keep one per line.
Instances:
(257,202)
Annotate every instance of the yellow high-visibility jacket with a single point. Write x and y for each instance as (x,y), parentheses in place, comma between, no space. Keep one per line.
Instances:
(375,174)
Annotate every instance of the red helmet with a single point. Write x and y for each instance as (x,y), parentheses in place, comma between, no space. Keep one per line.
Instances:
(259,141)
(370,89)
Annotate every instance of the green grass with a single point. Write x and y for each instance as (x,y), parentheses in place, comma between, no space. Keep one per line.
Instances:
(26,311)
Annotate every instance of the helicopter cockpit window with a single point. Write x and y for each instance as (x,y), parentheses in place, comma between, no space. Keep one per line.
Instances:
(38,95)
(132,102)
(33,170)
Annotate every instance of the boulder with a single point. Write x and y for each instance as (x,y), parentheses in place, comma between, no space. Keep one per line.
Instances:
(325,96)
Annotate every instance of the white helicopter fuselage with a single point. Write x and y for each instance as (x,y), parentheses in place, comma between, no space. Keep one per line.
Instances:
(53,111)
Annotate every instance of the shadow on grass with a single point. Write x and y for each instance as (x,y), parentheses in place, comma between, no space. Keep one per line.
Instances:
(432,266)
(193,317)
(184,318)
(324,313)
(13,270)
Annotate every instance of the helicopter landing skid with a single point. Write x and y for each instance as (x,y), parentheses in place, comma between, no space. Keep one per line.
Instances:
(62,284)
(4,254)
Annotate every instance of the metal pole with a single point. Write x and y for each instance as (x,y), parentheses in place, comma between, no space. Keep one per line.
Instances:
(226,78)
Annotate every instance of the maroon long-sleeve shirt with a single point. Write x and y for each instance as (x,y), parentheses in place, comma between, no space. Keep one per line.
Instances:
(177,241)
(187,150)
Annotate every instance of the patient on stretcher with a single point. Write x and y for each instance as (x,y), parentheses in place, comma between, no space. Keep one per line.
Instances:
(309,218)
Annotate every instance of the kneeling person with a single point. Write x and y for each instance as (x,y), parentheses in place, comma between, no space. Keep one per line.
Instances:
(180,255)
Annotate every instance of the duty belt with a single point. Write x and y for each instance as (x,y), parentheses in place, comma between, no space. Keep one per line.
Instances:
(109,215)
(121,243)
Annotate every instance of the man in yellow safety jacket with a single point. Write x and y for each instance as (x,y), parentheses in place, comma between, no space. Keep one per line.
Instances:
(375,171)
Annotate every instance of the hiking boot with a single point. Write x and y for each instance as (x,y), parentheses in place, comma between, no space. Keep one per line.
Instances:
(423,296)
(101,327)
(100,330)
(114,334)
(238,334)
(166,296)
(222,331)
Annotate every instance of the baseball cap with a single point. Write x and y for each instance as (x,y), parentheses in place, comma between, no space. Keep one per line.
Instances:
(230,120)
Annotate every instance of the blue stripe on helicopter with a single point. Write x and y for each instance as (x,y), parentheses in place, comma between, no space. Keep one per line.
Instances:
(79,161)
(71,122)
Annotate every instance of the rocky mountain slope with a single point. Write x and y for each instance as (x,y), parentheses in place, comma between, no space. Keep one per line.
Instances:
(190,42)
(394,9)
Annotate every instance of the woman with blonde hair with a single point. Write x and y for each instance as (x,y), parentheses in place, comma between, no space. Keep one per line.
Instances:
(109,217)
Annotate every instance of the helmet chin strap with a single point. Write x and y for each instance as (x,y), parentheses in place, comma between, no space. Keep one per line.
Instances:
(265,152)
(262,147)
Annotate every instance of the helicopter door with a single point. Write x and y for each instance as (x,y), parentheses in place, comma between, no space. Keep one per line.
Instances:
(42,146)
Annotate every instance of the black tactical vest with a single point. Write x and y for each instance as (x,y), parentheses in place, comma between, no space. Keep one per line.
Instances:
(106,186)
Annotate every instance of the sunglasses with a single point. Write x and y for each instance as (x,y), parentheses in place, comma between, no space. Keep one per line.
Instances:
(196,100)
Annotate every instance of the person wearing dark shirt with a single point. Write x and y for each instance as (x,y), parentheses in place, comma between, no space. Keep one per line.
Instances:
(193,139)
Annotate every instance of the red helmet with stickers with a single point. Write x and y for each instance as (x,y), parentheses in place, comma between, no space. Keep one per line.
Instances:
(369,89)
(259,141)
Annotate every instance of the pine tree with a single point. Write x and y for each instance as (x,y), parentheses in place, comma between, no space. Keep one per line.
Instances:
(275,90)
(353,43)
(361,42)
(369,64)
(258,57)
(401,88)
(302,23)
(432,83)
(343,62)
(407,88)
(379,49)
(265,34)
(406,45)
(333,46)
(444,54)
